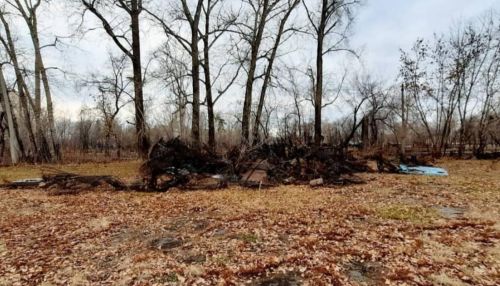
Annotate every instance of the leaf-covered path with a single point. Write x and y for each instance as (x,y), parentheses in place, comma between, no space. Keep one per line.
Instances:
(394,230)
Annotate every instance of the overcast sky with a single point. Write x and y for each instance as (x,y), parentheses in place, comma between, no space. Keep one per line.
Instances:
(385,26)
(382,27)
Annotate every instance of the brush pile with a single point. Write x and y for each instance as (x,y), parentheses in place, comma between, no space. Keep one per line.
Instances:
(173,163)
(60,183)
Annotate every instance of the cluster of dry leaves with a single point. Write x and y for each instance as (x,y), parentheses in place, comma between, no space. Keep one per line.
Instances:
(396,230)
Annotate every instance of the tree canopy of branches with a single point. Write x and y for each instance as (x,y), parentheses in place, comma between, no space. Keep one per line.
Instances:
(128,41)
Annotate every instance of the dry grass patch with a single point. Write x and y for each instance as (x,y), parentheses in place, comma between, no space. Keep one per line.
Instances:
(414,214)
(442,279)
(99,224)
(3,248)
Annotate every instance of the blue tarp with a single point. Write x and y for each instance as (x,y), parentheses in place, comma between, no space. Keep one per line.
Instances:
(422,170)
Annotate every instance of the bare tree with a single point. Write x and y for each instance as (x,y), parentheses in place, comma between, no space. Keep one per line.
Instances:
(416,92)
(5,108)
(111,95)
(84,128)
(190,45)
(363,89)
(376,111)
(173,73)
(281,33)
(210,35)
(28,10)
(403,133)
(469,52)
(251,31)
(329,23)
(442,85)
(490,77)
(23,91)
(290,83)
(129,43)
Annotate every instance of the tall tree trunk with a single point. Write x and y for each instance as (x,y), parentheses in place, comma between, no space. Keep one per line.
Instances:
(247,104)
(16,129)
(29,15)
(107,144)
(403,122)
(21,84)
(50,113)
(208,81)
(269,69)
(210,104)
(195,68)
(182,119)
(194,22)
(15,151)
(33,27)
(44,149)
(365,134)
(133,8)
(260,106)
(318,92)
(255,46)
(140,122)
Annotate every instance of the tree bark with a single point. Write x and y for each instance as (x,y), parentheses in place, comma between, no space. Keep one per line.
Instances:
(195,67)
(403,122)
(318,92)
(133,9)
(15,151)
(208,80)
(21,84)
(140,122)
(255,46)
(29,15)
(42,76)
(269,69)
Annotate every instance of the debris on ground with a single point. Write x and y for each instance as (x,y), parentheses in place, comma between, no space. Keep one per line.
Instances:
(411,166)
(422,170)
(166,243)
(174,163)
(488,156)
(24,183)
(60,183)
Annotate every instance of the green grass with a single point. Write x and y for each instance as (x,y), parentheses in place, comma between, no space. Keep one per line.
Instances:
(414,214)
(172,278)
(121,169)
(248,237)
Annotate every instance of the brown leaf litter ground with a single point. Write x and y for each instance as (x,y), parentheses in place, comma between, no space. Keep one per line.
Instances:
(396,229)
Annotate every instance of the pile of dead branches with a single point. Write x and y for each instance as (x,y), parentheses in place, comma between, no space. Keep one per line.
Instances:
(69,183)
(174,163)
(60,183)
(288,163)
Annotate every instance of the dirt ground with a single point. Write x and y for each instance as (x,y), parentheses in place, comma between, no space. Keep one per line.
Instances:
(396,229)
